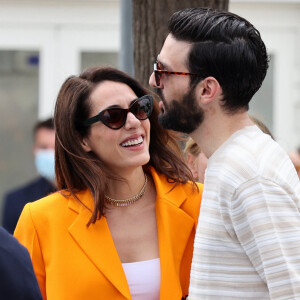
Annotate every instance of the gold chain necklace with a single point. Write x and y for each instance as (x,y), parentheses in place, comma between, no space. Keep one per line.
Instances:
(128,201)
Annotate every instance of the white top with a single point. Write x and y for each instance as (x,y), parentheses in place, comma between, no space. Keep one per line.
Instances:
(247,243)
(143,279)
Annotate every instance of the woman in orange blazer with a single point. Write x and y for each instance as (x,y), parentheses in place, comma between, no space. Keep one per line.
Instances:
(123,224)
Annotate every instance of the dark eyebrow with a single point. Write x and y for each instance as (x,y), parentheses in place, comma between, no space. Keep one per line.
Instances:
(133,101)
(164,65)
(118,106)
(112,106)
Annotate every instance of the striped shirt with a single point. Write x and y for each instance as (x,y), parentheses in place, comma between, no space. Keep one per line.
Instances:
(247,244)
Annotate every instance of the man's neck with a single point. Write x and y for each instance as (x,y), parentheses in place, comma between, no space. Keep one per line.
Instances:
(217,128)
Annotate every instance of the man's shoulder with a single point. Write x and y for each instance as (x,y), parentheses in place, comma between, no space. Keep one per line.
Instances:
(251,139)
(247,154)
(31,189)
(248,143)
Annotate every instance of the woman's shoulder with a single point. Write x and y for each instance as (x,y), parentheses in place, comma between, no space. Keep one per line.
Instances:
(57,203)
(193,194)
(162,180)
(192,203)
(51,202)
(193,188)
(180,193)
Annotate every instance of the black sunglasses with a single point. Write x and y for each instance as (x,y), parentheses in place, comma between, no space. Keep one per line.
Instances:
(158,72)
(115,117)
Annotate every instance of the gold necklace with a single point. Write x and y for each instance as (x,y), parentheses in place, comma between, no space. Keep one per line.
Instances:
(128,201)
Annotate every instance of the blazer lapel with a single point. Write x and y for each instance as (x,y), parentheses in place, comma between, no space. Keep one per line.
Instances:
(96,242)
(174,229)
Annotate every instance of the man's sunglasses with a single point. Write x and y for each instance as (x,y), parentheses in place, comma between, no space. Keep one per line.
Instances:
(158,72)
(115,117)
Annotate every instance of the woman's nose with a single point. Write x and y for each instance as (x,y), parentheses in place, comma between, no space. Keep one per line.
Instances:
(132,121)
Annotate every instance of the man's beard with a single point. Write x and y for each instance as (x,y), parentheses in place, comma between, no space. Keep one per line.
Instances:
(184,115)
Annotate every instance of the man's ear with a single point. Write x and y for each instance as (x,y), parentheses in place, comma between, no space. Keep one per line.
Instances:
(85,144)
(208,90)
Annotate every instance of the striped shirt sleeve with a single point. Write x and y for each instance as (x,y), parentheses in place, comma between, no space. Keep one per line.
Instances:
(266,221)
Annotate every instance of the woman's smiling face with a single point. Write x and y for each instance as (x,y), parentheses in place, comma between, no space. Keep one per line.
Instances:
(127,147)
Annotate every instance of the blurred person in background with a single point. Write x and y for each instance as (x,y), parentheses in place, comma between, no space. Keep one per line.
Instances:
(261,126)
(295,158)
(122,225)
(43,185)
(196,159)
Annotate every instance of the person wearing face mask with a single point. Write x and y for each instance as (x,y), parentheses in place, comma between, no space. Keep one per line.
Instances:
(196,159)
(44,184)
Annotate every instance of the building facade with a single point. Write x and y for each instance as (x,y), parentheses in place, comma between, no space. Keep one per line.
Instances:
(44,42)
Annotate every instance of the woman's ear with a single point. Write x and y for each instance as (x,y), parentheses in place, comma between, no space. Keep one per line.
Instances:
(85,144)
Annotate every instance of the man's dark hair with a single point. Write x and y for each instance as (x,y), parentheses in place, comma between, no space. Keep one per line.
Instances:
(49,124)
(226,47)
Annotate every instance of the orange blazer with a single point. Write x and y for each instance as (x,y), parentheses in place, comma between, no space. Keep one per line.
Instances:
(73,261)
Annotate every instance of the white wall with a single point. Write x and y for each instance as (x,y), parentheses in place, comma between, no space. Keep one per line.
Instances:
(279,25)
(60,31)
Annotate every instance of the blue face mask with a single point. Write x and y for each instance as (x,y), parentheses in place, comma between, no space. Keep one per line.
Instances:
(45,163)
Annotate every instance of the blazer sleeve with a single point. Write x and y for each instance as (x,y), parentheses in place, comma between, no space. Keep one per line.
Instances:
(27,235)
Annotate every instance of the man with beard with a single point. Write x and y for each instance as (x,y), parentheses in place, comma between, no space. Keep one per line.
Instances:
(248,235)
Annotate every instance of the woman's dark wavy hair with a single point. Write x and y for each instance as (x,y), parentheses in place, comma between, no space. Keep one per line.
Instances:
(76,169)
(226,47)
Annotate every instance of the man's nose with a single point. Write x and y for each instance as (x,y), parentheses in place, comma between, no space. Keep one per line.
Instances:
(152,82)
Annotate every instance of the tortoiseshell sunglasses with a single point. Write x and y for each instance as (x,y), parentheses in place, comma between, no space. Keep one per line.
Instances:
(158,73)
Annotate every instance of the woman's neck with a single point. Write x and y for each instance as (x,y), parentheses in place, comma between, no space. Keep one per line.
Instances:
(129,185)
